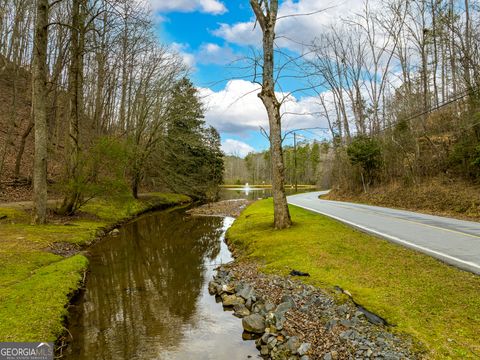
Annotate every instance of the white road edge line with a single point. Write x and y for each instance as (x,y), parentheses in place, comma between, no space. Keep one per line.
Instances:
(393,238)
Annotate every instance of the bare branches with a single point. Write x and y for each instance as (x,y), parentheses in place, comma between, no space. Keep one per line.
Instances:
(305,14)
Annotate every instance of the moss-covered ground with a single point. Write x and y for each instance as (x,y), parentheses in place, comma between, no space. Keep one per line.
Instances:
(436,304)
(35,285)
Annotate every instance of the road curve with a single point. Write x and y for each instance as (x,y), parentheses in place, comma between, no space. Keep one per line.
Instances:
(455,242)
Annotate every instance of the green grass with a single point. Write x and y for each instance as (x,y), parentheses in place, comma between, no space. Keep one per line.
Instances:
(33,309)
(34,284)
(435,303)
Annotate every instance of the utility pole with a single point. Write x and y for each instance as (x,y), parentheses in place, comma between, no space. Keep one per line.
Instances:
(295,160)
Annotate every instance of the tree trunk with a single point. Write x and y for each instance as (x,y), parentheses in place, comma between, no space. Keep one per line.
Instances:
(40,112)
(76,103)
(267,22)
(21,150)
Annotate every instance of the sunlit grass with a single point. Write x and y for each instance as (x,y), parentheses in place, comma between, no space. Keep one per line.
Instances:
(435,303)
(34,284)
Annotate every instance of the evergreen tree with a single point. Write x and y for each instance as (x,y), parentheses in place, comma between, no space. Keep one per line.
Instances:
(193,159)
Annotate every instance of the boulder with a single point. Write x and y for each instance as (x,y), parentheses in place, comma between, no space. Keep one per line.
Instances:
(254,323)
(212,288)
(228,289)
(231,300)
(241,310)
(245,291)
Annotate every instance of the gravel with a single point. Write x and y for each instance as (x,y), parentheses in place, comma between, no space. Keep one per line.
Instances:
(299,321)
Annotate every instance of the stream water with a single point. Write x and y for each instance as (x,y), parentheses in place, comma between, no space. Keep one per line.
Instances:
(147,294)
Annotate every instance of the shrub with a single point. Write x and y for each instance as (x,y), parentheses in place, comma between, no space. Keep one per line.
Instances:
(365,153)
(100,172)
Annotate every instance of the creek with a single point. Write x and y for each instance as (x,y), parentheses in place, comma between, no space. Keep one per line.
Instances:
(146,296)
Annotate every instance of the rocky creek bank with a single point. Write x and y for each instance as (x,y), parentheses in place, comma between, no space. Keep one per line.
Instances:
(291,320)
(231,208)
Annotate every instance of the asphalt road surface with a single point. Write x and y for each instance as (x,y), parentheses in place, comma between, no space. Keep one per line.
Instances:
(455,242)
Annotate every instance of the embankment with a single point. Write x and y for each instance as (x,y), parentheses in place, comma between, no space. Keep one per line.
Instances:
(41,267)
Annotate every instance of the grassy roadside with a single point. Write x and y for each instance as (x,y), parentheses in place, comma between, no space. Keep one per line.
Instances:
(436,304)
(35,285)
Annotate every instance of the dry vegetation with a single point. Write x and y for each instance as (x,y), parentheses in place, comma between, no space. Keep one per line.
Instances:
(438,196)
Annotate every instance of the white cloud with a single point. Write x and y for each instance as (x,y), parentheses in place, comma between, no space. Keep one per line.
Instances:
(244,33)
(237,109)
(294,32)
(237,148)
(182,50)
(214,7)
(210,53)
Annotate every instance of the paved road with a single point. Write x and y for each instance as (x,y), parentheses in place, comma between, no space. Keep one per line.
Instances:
(456,242)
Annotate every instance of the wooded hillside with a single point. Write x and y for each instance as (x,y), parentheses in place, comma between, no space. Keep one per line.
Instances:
(120,109)
(403,95)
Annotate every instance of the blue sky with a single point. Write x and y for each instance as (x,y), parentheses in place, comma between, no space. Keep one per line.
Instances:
(212,35)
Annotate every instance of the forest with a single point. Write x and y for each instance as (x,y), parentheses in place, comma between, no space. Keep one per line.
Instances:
(94,97)
(305,163)
(403,99)
(398,85)
(98,105)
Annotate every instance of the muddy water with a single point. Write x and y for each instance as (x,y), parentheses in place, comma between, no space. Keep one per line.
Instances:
(147,298)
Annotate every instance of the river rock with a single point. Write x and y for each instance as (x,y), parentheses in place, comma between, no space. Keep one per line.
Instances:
(271,342)
(264,350)
(283,307)
(245,291)
(115,232)
(212,287)
(288,298)
(241,310)
(228,289)
(303,349)
(259,308)
(231,300)
(254,323)
(293,344)
(333,355)
(265,338)
(269,306)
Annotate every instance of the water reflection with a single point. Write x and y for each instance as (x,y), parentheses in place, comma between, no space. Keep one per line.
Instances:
(254,193)
(147,294)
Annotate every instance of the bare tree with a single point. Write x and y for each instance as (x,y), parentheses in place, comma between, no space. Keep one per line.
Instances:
(266,13)
(40,112)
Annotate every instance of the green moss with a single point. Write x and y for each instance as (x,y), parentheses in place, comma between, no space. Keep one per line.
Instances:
(35,284)
(436,304)
(33,309)
(124,207)
(9,214)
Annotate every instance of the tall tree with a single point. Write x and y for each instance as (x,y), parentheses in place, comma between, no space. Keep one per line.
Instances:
(40,112)
(266,13)
(77,43)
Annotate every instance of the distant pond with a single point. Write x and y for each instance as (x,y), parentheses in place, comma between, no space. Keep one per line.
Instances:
(255,193)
